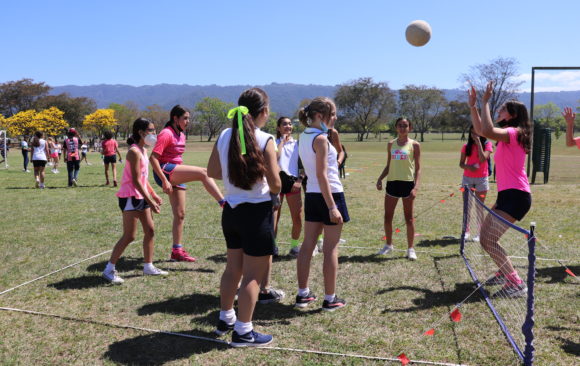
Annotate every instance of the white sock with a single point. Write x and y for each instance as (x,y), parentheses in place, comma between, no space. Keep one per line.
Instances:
(303,291)
(329,297)
(228,316)
(110,267)
(243,328)
(149,267)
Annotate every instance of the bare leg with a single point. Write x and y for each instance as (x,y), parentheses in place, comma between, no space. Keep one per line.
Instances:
(254,269)
(409,220)
(177,200)
(330,263)
(277,213)
(231,278)
(390,205)
(311,232)
(295,206)
(188,173)
(114,170)
(41,174)
(489,239)
(107,173)
(149,234)
(129,230)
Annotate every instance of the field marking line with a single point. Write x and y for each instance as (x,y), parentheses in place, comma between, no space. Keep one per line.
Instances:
(53,272)
(149,330)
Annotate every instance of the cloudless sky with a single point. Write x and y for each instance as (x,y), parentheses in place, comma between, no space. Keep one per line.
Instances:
(257,42)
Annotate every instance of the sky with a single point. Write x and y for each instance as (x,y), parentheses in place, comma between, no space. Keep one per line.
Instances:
(254,42)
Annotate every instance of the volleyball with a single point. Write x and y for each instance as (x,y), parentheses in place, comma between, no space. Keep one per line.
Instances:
(418,33)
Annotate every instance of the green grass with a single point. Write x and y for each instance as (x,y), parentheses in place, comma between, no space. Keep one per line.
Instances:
(391,301)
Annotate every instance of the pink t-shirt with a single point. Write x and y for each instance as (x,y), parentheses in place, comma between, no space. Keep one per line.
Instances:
(170,146)
(473,158)
(109,147)
(577,141)
(127,188)
(510,161)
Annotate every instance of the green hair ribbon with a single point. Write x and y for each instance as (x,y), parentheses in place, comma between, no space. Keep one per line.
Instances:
(241,110)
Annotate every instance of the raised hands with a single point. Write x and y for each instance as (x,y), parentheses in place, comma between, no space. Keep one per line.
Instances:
(569,116)
(472,96)
(488,92)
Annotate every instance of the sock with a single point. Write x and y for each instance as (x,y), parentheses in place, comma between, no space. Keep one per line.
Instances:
(514,278)
(228,316)
(293,243)
(303,291)
(148,267)
(243,328)
(110,267)
(329,298)
(320,237)
(177,246)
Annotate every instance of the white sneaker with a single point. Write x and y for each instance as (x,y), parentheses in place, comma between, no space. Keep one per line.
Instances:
(411,255)
(476,238)
(113,277)
(319,244)
(386,249)
(341,241)
(466,236)
(74,182)
(154,271)
(41,185)
(37,184)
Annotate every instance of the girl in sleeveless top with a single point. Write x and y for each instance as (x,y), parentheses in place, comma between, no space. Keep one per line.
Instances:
(136,199)
(403,172)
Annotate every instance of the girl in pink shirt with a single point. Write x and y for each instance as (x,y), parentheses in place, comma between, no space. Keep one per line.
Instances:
(514,198)
(136,200)
(171,174)
(110,150)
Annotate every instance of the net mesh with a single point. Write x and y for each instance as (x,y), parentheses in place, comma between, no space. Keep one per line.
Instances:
(494,250)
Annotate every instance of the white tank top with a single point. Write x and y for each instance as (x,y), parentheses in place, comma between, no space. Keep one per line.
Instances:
(260,191)
(38,152)
(308,157)
(288,161)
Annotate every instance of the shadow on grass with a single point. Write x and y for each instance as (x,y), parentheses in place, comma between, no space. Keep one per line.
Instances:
(125,264)
(438,242)
(433,299)
(196,303)
(570,347)
(158,349)
(218,258)
(371,258)
(47,187)
(84,282)
(555,274)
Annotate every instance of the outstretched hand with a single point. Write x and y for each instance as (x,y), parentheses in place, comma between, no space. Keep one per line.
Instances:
(488,92)
(472,96)
(569,115)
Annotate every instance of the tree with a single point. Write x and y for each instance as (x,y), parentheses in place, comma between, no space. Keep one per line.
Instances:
(17,96)
(100,120)
(125,114)
(156,114)
(49,121)
(550,115)
(502,71)
(365,104)
(422,105)
(21,123)
(212,114)
(457,116)
(75,109)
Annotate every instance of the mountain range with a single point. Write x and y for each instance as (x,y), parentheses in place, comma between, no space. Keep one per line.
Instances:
(284,98)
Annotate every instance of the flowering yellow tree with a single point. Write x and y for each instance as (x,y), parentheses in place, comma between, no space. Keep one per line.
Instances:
(22,123)
(3,125)
(100,121)
(51,121)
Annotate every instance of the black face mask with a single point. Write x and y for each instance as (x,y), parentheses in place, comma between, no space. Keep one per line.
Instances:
(502,123)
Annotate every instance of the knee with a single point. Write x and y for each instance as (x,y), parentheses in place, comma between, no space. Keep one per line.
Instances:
(409,220)
(179,215)
(149,232)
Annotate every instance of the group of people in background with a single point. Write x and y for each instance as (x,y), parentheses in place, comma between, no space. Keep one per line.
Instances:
(260,171)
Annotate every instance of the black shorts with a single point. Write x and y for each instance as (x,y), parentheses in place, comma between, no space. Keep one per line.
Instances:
(316,210)
(84,154)
(514,202)
(399,188)
(250,227)
(38,163)
(132,204)
(111,159)
(287,182)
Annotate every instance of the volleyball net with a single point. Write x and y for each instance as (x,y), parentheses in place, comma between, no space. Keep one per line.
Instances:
(493,249)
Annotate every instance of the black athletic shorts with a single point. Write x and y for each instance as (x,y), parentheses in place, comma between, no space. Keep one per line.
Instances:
(38,163)
(399,188)
(514,202)
(111,159)
(287,182)
(250,227)
(316,210)
(132,204)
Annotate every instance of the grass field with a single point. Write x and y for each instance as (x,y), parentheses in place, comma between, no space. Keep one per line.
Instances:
(391,301)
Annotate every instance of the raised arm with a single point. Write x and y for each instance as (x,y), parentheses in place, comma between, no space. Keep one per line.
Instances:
(487,129)
(570,117)
(214,165)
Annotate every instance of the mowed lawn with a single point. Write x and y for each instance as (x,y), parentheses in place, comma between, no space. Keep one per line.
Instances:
(391,301)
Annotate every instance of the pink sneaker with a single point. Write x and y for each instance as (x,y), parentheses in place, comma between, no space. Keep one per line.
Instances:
(180,255)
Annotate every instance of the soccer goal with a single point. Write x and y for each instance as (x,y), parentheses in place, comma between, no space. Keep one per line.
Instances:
(4,147)
(513,310)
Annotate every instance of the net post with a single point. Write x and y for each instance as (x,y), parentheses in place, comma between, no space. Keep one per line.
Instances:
(465,219)
(528,326)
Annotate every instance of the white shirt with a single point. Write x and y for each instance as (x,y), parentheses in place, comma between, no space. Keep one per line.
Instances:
(308,157)
(39,152)
(288,160)
(260,191)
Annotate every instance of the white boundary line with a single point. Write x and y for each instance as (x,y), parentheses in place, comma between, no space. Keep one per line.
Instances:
(353,355)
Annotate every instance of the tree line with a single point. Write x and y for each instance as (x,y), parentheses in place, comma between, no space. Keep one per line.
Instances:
(364,107)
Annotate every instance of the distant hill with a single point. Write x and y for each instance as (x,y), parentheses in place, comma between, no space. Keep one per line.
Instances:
(284,98)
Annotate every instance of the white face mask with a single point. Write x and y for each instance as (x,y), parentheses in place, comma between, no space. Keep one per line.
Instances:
(150,140)
(324,128)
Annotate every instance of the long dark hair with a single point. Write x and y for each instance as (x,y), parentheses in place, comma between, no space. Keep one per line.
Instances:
(176,111)
(140,124)
(108,135)
(245,170)
(278,134)
(471,141)
(36,139)
(322,105)
(520,119)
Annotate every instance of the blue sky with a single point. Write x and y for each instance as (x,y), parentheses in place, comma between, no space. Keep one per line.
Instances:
(256,42)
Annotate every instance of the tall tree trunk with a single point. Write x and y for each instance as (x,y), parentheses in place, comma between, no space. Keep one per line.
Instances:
(422,137)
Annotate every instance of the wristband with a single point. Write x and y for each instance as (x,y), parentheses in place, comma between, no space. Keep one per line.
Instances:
(222,202)
(333,207)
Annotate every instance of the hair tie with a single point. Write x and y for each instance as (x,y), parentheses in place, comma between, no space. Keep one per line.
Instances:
(240,110)
(307,108)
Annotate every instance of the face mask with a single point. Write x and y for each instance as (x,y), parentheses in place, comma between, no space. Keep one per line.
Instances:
(150,140)
(324,128)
